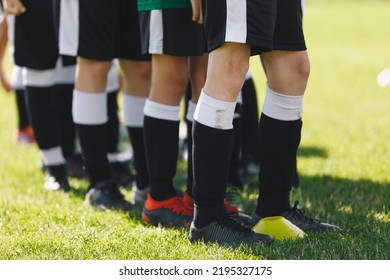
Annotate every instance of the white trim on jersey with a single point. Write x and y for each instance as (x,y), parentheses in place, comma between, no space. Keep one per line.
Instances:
(156,34)
(69,27)
(236,20)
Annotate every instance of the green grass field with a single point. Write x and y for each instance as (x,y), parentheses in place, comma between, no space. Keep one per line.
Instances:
(343,161)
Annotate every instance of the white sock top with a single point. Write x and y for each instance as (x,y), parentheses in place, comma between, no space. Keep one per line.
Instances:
(89,108)
(133,108)
(282,107)
(161,111)
(214,113)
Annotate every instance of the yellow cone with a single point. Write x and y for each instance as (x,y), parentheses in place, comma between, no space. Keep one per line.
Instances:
(279,228)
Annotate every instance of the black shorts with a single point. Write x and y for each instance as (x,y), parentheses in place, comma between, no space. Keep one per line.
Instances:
(171,32)
(35,42)
(266,25)
(108,30)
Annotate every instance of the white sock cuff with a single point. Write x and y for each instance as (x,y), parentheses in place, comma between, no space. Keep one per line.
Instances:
(190,111)
(89,108)
(282,107)
(133,108)
(214,113)
(52,156)
(161,111)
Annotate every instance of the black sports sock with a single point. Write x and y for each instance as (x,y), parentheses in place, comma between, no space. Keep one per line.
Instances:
(137,141)
(23,120)
(234,175)
(162,148)
(279,141)
(113,122)
(250,120)
(212,150)
(94,149)
(190,171)
(63,95)
(40,106)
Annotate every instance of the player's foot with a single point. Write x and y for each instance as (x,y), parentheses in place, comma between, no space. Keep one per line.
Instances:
(56,178)
(228,232)
(106,195)
(238,216)
(298,218)
(170,212)
(305,223)
(25,135)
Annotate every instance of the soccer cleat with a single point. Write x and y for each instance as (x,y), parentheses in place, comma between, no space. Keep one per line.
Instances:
(169,212)
(56,178)
(140,194)
(298,218)
(234,197)
(25,135)
(279,228)
(228,232)
(238,216)
(106,195)
(75,166)
(121,173)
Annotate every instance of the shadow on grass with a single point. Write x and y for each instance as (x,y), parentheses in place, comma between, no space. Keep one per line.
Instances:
(312,151)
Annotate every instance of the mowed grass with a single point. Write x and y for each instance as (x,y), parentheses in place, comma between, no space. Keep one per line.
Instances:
(343,162)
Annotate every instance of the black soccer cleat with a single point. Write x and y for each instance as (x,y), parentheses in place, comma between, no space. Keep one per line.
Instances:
(106,195)
(228,232)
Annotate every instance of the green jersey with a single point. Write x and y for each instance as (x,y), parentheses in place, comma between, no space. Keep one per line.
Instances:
(147,5)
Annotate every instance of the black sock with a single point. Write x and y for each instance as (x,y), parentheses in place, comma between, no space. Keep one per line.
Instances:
(162,147)
(94,149)
(137,141)
(250,120)
(211,156)
(113,122)
(63,109)
(279,141)
(190,171)
(234,175)
(23,120)
(40,106)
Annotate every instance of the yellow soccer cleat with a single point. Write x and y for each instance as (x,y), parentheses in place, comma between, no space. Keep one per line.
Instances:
(279,228)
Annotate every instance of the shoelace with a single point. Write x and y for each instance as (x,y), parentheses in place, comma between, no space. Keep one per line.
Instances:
(230,219)
(301,213)
(179,207)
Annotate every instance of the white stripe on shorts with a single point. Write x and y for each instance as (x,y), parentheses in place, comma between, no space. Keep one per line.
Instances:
(236,20)
(156,34)
(69,27)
